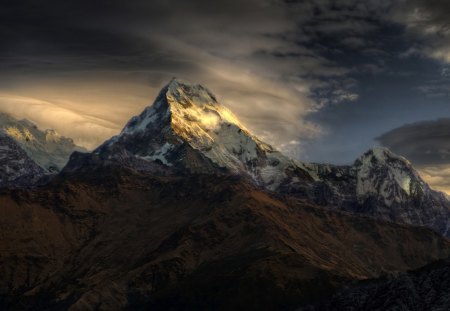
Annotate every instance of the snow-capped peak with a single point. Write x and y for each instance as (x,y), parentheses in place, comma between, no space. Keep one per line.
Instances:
(383,154)
(190,103)
(381,172)
(47,148)
(185,113)
(193,112)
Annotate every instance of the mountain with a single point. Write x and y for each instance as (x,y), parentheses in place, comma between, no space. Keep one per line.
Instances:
(383,185)
(47,148)
(187,129)
(16,167)
(113,239)
(185,209)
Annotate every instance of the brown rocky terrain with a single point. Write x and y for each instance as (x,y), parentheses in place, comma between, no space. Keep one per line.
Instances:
(116,239)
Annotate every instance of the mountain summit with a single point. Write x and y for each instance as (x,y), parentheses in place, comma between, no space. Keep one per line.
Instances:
(382,185)
(188,128)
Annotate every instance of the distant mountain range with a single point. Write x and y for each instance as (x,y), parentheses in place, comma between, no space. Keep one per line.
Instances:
(47,148)
(187,209)
(16,167)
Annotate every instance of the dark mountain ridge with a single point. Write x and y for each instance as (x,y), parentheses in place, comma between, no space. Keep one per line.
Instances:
(120,239)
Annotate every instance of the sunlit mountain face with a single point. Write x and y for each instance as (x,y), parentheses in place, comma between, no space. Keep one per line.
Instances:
(217,155)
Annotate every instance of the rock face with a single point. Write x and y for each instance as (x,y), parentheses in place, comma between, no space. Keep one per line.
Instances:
(47,148)
(187,128)
(16,167)
(383,185)
(427,288)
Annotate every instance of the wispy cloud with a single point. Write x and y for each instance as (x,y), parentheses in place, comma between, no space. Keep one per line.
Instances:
(256,56)
(88,130)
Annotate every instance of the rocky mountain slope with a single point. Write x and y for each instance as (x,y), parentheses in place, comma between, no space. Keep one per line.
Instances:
(16,167)
(114,239)
(427,288)
(47,148)
(187,128)
(383,185)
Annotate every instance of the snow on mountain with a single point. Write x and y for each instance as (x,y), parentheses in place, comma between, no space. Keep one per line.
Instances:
(187,118)
(47,148)
(381,172)
(16,167)
(384,185)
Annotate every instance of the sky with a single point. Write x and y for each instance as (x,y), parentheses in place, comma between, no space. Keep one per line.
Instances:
(321,80)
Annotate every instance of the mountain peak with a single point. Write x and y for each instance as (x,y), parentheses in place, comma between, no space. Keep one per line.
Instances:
(380,171)
(185,92)
(47,148)
(186,115)
(187,108)
(382,155)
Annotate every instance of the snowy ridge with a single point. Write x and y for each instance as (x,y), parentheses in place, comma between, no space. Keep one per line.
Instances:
(195,117)
(384,185)
(47,148)
(377,173)
(160,154)
(186,115)
(16,168)
(380,172)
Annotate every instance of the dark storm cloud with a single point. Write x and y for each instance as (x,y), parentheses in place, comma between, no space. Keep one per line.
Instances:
(64,35)
(259,56)
(424,143)
(427,20)
(427,145)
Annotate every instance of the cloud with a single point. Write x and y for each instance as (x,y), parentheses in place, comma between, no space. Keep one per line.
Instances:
(354,42)
(437,176)
(250,54)
(427,21)
(436,89)
(427,145)
(424,143)
(88,131)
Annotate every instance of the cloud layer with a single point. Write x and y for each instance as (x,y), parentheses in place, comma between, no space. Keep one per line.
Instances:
(424,143)
(427,145)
